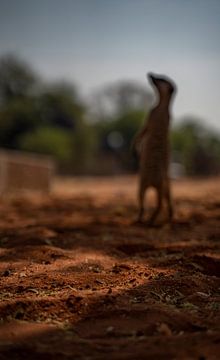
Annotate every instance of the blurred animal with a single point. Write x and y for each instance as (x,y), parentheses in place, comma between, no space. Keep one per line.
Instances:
(153,149)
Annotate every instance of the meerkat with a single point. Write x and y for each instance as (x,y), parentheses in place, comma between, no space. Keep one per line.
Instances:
(153,149)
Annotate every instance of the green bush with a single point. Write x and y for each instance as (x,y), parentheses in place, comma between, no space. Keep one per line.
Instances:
(198,148)
(48,140)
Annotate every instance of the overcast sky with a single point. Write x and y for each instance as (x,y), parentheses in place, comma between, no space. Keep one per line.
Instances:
(93,42)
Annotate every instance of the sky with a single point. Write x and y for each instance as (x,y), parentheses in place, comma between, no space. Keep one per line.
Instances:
(94,42)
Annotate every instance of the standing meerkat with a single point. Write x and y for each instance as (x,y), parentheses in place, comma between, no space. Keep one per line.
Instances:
(153,148)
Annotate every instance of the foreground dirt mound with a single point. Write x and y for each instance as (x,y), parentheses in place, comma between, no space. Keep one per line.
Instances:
(80,281)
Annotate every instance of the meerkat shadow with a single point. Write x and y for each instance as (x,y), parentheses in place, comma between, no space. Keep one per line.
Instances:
(154,224)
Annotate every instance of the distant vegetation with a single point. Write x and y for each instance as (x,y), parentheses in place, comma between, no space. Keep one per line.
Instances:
(90,137)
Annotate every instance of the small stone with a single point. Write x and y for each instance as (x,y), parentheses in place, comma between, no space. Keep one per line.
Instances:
(99,282)
(110,329)
(48,242)
(139,333)
(7,272)
(132,280)
(202,294)
(164,329)
(22,274)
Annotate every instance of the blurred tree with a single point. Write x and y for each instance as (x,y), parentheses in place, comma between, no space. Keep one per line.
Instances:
(128,96)
(120,98)
(48,140)
(18,83)
(43,118)
(52,119)
(17,79)
(17,118)
(84,149)
(198,148)
(59,105)
(115,137)
(117,112)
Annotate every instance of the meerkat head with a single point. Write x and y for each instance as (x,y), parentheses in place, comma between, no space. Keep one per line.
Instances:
(163,84)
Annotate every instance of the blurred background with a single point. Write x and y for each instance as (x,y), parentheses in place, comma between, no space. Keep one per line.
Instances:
(73,80)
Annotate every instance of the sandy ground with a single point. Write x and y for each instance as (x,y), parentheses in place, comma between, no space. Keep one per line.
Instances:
(79,280)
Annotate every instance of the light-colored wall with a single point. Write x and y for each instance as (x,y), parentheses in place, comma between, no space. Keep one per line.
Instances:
(20,171)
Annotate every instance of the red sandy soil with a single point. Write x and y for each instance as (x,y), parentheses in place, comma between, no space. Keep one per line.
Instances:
(79,280)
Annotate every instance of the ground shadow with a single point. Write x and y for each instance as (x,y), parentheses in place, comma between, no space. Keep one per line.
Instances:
(80,281)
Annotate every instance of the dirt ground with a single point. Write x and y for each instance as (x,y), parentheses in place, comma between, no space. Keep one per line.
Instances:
(79,280)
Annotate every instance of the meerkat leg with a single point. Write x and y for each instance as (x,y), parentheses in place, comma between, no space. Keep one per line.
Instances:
(169,202)
(141,195)
(158,207)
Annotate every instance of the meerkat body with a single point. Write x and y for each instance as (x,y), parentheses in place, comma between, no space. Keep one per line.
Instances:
(153,148)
